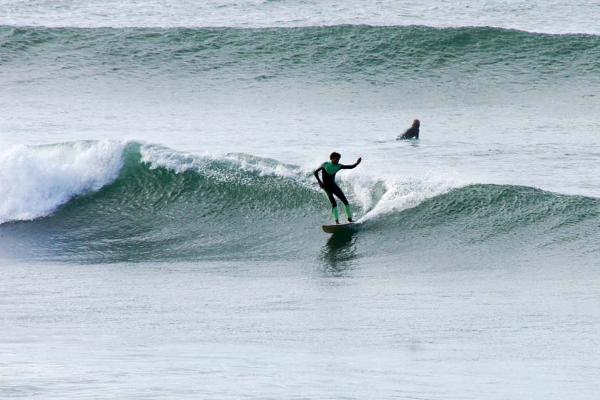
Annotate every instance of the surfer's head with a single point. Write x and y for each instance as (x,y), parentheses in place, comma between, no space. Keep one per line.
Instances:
(416,123)
(335,157)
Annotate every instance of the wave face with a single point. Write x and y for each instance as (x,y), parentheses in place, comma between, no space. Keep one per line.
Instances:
(175,207)
(551,16)
(349,53)
(162,205)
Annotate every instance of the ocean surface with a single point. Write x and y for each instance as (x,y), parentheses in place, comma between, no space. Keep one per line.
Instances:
(160,227)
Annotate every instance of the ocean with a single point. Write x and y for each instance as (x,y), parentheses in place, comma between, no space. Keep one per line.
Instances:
(160,224)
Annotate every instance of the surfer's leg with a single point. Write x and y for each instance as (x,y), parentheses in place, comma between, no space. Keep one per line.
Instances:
(334,209)
(348,212)
(336,214)
(338,192)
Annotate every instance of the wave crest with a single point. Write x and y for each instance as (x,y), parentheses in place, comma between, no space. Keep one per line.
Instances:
(35,181)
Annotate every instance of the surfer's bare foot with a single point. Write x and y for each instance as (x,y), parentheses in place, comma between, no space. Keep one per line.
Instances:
(350,220)
(337,221)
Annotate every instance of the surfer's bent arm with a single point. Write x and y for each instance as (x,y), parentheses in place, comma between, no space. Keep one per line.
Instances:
(353,165)
(317,176)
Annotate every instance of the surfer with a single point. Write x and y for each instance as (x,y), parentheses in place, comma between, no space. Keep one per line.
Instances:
(331,188)
(412,132)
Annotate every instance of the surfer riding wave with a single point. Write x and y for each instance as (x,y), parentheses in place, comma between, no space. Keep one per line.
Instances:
(327,183)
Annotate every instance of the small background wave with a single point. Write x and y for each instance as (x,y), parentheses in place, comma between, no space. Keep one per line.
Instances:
(163,205)
(363,53)
(551,16)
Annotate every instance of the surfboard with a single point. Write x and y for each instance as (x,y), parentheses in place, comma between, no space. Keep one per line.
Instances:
(335,228)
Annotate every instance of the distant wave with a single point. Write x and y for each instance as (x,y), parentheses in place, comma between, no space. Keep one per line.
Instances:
(106,202)
(350,53)
(548,16)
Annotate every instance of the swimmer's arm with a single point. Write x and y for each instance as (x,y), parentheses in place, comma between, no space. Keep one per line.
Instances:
(353,165)
(317,176)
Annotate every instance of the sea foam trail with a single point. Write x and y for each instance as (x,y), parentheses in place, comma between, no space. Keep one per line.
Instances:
(34,181)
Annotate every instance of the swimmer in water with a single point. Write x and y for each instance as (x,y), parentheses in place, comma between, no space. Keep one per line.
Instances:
(412,132)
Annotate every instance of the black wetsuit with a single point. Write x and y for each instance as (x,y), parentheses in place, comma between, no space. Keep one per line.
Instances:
(329,185)
(411,133)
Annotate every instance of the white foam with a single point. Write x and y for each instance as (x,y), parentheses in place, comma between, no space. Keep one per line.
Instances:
(385,195)
(34,181)
(157,156)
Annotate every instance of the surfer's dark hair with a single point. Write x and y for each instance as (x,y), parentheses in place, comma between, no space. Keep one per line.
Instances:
(334,155)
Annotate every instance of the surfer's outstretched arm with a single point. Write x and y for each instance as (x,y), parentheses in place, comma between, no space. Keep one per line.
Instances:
(317,176)
(353,165)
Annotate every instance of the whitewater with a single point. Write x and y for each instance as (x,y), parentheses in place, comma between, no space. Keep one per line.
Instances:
(160,224)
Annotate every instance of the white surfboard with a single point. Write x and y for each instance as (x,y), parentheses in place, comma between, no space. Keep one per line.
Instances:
(335,228)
